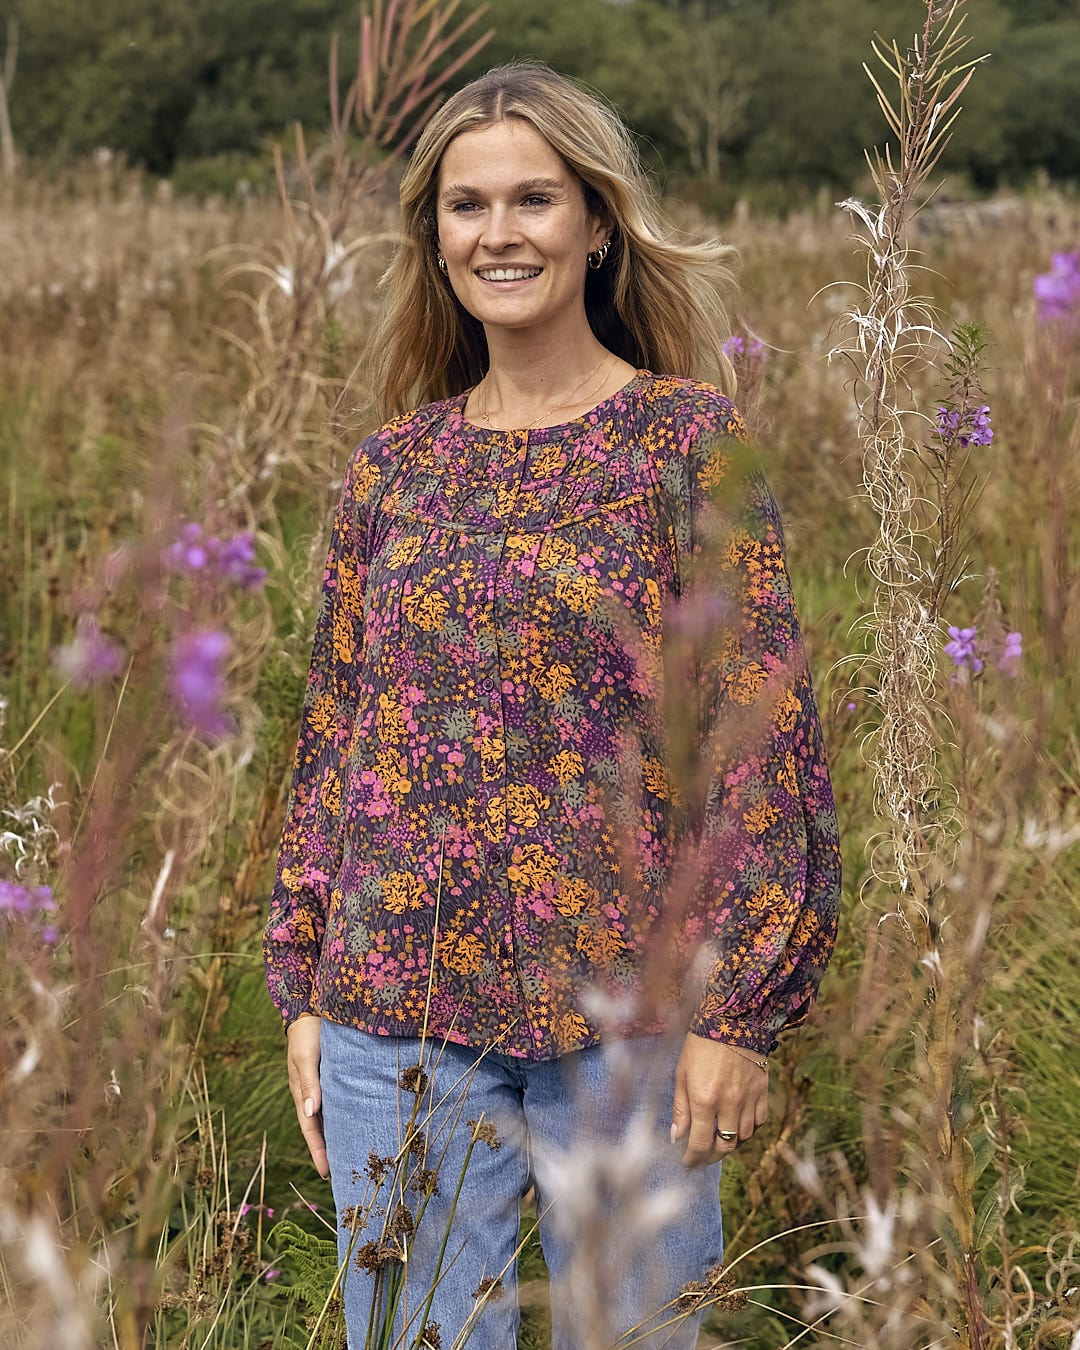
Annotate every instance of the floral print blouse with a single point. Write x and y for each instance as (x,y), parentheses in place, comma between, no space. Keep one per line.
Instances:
(486,839)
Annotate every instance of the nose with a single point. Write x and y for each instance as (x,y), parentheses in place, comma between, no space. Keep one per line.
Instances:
(500,230)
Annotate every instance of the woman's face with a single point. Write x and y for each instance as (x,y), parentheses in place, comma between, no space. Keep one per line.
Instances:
(514,228)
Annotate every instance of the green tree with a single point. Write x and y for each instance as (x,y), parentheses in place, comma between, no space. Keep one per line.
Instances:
(728,91)
(711,49)
(156,79)
(118,73)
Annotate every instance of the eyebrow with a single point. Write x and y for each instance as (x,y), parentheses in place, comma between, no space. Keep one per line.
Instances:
(521,189)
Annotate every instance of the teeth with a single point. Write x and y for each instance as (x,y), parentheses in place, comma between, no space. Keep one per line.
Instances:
(509,273)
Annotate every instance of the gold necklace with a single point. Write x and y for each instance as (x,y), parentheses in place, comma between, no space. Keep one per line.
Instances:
(485,414)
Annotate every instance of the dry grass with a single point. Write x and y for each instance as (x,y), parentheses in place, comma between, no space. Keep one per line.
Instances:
(119,399)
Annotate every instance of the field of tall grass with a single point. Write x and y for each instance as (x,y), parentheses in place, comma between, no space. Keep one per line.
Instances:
(180,384)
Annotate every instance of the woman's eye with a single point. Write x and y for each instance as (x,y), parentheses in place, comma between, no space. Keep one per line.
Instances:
(462,208)
(537,199)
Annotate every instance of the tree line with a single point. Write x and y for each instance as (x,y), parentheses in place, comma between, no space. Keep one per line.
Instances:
(728,92)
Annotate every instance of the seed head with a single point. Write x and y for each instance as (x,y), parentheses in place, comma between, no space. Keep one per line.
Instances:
(490,1287)
(372,1256)
(377,1167)
(425,1181)
(353,1219)
(413,1079)
(483,1132)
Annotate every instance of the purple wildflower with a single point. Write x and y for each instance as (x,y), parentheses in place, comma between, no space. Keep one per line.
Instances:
(851,706)
(15,898)
(245,1209)
(90,658)
(700,616)
(231,559)
(271,1275)
(236,561)
(964,648)
(969,652)
(187,554)
(965,428)
(197,682)
(31,902)
(1010,655)
(739,348)
(982,433)
(1057,292)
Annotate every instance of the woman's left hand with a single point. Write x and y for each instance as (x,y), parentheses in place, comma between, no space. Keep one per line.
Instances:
(716,1088)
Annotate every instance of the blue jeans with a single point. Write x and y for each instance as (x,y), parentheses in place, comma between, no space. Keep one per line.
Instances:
(624,1225)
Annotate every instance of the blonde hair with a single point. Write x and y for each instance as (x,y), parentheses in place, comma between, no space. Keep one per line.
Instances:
(657,301)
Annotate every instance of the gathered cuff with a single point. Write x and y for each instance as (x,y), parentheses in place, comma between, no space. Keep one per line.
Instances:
(743,1031)
(292,992)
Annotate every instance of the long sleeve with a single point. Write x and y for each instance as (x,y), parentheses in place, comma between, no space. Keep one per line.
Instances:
(770,876)
(311,841)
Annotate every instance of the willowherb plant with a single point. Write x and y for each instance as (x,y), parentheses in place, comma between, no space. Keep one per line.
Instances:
(928,1260)
(893,337)
(1057,292)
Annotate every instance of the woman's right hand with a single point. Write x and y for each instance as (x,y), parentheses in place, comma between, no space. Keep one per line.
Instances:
(303,1036)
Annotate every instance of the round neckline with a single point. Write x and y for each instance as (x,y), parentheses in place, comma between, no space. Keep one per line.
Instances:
(556,428)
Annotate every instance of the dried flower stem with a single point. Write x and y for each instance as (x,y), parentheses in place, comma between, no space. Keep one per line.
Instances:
(892,332)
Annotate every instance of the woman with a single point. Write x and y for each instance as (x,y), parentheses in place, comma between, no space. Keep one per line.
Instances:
(500,922)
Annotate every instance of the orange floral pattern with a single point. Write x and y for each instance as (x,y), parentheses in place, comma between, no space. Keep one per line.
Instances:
(483,824)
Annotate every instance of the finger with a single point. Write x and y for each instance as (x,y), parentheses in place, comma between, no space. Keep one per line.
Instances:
(680,1106)
(703,1146)
(747,1122)
(307,1098)
(311,1128)
(722,1147)
(761,1110)
(304,1086)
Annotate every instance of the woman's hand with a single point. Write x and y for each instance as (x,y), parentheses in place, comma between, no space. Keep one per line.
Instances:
(716,1088)
(303,1036)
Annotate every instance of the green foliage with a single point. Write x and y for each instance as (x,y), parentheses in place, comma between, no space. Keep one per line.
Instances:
(737,92)
(311,1263)
(159,80)
(223,175)
(279,695)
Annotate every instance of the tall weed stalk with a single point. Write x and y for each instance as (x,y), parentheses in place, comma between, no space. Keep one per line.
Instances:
(924,1222)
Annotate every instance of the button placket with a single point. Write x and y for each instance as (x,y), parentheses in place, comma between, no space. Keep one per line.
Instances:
(497,855)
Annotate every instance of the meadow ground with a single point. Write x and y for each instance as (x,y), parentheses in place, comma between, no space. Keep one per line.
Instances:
(144,1084)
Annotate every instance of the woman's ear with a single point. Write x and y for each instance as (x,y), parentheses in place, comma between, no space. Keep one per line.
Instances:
(603,229)
(602,226)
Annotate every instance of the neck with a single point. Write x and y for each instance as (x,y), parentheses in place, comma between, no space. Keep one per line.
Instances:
(529,370)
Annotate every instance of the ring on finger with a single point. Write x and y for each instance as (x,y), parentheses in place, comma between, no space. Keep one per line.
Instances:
(727,1135)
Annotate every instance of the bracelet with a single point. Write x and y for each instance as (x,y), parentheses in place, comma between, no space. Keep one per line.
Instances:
(761,1063)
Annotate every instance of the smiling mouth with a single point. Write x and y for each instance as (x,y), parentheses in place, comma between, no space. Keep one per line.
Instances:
(508,273)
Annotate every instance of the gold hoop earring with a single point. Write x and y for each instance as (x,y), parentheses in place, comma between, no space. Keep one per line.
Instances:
(442,264)
(597,256)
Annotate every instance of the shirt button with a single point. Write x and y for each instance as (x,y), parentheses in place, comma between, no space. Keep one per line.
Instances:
(487,684)
(494,856)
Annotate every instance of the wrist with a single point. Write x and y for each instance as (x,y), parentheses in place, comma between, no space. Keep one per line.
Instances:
(751,1056)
